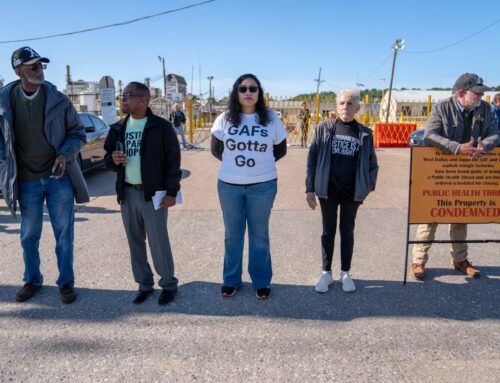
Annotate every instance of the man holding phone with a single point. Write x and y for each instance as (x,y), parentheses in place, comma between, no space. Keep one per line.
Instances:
(465,125)
(40,138)
(144,151)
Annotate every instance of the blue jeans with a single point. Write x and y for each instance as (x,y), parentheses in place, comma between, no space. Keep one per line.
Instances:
(180,130)
(59,196)
(242,205)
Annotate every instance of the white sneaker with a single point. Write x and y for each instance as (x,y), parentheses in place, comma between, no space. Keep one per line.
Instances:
(347,283)
(324,283)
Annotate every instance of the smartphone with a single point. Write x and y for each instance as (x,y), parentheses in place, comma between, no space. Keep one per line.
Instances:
(57,172)
(119,146)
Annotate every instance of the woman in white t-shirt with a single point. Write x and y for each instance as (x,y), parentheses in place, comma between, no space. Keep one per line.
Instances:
(248,138)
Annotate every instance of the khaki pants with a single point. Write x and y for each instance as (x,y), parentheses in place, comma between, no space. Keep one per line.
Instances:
(426,232)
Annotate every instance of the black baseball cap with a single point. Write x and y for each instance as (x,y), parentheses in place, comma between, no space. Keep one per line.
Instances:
(26,55)
(470,81)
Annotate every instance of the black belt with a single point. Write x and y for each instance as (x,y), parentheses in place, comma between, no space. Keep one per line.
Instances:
(136,187)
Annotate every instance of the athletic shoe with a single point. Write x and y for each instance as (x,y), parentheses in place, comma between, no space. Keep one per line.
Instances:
(228,291)
(263,293)
(347,283)
(324,282)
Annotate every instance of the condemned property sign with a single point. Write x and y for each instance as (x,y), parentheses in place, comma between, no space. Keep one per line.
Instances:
(448,188)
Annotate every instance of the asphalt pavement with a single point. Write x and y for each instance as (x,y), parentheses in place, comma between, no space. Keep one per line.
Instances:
(444,329)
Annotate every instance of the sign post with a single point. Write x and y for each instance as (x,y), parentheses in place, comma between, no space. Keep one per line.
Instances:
(107,97)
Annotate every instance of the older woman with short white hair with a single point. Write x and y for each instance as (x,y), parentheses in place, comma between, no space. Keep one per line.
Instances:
(341,171)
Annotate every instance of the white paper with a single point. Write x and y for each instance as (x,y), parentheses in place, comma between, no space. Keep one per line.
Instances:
(160,195)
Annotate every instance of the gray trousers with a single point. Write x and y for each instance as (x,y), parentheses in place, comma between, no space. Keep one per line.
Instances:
(141,220)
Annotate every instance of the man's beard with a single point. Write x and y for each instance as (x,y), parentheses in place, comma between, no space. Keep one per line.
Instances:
(35,80)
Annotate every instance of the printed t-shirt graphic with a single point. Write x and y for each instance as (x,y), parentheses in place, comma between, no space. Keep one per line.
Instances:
(248,148)
(345,149)
(133,137)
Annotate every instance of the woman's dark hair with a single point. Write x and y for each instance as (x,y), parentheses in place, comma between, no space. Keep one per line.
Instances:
(234,107)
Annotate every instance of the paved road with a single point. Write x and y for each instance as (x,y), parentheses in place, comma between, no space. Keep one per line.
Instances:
(445,329)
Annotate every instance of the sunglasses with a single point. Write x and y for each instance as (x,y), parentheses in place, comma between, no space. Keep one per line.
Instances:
(129,94)
(36,67)
(244,89)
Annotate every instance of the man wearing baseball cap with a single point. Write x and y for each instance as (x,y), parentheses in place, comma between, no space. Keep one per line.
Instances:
(465,125)
(40,138)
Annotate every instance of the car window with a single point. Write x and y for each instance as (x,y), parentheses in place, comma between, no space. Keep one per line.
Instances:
(87,123)
(99,125)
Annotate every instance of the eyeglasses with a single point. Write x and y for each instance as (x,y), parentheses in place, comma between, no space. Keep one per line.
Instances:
(129,94)
(244,89)
(36,67)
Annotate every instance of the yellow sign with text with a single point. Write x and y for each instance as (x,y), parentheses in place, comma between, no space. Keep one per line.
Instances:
(448,188)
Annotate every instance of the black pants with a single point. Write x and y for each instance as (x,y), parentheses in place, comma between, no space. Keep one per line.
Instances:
(348,210)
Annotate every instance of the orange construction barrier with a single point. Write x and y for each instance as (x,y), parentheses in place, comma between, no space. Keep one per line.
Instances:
(392,134)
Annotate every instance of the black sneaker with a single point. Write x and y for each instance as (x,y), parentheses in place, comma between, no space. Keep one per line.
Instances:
(227,291)
(263,293)
(68,294)
(166,297)
(27,291)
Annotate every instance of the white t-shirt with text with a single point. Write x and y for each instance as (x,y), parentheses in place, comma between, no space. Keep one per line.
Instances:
(248,148)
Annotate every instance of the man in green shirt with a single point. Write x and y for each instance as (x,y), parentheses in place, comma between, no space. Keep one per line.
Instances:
(40,138)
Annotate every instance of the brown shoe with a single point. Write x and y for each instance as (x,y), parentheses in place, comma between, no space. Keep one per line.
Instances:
(466,268)
(68,294)
(27,291)
(418,270)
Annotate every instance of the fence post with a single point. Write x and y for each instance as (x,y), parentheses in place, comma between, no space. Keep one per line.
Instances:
(367,113)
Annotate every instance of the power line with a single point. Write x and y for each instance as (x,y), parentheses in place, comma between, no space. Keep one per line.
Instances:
(107,26)
(377,68)
(456,42)
(331,86)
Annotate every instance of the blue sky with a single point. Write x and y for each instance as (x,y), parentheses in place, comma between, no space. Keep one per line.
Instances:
(283,42)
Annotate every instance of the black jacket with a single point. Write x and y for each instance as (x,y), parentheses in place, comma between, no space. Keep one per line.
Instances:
(160,156)
(177,118)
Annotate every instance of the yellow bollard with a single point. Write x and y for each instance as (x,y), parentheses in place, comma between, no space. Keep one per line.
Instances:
(317,107)
(488,99)
(367,113)
(190,111)
(429,103)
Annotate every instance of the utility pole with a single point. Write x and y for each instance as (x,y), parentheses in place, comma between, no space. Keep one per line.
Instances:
(192,76)
(319,81)
(162,60)
(210,78)
(398,44)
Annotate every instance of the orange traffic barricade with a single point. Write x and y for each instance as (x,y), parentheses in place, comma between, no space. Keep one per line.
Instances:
(392,134)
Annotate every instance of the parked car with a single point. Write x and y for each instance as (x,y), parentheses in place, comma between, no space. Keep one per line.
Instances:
(417,138)
(96,130)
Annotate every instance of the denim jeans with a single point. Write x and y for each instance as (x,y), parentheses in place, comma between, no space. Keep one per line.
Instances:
(59,195)
(242,205)
(180,130)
